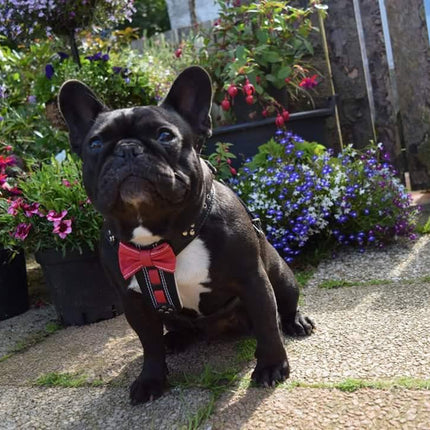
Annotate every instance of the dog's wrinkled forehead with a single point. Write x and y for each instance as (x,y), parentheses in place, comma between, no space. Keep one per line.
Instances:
(138,123)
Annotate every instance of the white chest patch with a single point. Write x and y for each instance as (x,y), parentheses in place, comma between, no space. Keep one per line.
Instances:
(192,270)
(143,237)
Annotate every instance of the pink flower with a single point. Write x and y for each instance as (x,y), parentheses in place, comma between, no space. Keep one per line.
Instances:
(22,231)
(56,216)
(62,227)
(14,206)
(309,83)
(66,183)
(32,209)
(9,160)
(3,178)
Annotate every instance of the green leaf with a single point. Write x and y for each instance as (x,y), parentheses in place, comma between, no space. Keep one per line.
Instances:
(271,57)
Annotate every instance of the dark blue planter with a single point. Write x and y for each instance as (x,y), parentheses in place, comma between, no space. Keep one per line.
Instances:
(78,286)
(13,285)
(248,136)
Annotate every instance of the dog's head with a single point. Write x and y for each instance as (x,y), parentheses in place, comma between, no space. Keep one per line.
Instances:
(141,165)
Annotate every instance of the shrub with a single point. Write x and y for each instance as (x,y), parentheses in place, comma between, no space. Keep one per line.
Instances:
(257,51)
(302,192)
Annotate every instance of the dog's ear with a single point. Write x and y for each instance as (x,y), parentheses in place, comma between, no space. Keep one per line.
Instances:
(79,107)
(191,96)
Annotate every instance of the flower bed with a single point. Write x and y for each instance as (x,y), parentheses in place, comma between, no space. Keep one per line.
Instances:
(302,192)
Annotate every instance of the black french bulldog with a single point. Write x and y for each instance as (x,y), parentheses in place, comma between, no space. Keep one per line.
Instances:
(143,172)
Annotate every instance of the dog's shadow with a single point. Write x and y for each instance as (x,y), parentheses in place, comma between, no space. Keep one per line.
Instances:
(214,367)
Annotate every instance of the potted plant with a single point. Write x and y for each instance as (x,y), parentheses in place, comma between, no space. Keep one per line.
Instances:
(258,54)
(13,275)
(54,219)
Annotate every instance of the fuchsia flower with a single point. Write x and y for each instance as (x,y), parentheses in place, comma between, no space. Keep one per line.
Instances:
(9,160)
(309,83)
(56,216)
(22,231)
(62,227)
(66,183)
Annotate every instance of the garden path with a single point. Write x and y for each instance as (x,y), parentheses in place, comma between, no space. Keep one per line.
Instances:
(372,339)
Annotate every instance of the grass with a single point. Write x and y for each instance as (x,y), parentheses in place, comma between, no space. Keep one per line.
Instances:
(351,385)
(339,283)
(66,380)
(303,276)
(245,349)
(424,227)
(203,413)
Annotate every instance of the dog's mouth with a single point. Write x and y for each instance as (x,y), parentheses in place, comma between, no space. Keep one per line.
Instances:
(142,185)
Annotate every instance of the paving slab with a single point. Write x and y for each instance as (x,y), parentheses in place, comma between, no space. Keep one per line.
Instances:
(20,328)
(370,331)
(103,408)
(306,408)
(402,260)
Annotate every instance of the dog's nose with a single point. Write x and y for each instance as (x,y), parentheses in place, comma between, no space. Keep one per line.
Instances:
(128,149)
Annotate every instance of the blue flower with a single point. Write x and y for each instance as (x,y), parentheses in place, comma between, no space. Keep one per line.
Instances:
(49,71)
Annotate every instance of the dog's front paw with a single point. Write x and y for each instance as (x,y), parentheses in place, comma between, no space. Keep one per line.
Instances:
(145,389)
(298,326)
(269,376)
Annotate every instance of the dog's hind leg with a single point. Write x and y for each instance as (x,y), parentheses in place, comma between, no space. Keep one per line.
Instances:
(287,293)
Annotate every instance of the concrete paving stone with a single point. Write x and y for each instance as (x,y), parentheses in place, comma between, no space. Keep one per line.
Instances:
(371,332)
(108,350)
(95,408)
(307,408)
(374,331)
(21,327)
(401,260)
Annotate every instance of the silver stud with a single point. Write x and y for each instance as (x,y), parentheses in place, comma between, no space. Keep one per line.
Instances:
(192,232)
(185,233)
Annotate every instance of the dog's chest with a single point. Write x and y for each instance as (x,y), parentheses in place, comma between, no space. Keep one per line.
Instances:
(192,272)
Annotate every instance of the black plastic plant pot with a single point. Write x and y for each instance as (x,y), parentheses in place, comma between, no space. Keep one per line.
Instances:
(13,285)
(248,136)
(78,286)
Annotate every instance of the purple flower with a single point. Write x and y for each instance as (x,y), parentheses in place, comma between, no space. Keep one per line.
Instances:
(22,231)
(62,55)
(32,100)
(49,71)
(62,227)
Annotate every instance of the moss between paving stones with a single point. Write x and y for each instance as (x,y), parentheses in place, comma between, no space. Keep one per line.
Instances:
(33,339)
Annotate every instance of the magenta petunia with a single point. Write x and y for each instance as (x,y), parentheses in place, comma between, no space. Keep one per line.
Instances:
(14,206)
(62,227)
(32,209)
(66,183)
(22,231)
(56,216)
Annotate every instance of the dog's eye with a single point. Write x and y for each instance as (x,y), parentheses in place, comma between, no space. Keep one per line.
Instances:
(96,144)
(165,135)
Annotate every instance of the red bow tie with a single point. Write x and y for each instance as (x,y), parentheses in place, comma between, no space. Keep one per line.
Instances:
(132,259)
